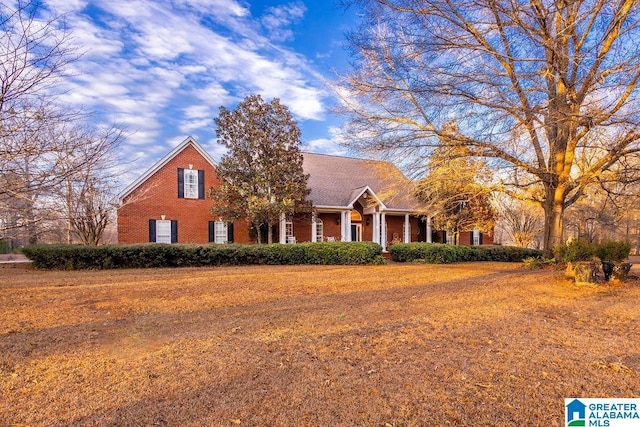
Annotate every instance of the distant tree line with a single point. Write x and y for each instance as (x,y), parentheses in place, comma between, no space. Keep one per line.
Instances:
(54,168)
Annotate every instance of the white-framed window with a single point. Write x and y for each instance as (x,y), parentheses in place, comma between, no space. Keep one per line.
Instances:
(449,237)
(288,232)
(319,230)
(220,232)
(476,238)
(190,184)
(163,231)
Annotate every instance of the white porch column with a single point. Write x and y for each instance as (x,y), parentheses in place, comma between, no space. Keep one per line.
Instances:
(283,229)
(429,240)
(347,225)
(383,229)
(343,233)
(407,229)
(376,227)
(314,229)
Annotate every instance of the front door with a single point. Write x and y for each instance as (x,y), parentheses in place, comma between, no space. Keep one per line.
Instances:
(356,232)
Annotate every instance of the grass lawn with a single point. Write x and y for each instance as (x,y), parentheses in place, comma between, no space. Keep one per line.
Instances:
(478,344)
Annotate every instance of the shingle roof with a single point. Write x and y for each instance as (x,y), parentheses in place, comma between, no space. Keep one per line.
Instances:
(337,181)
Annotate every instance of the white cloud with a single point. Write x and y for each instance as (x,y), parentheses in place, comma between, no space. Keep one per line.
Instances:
(221,7)
(162,68)
(61,7)
(214,149)
(197,111)
(278,18)
(334,145)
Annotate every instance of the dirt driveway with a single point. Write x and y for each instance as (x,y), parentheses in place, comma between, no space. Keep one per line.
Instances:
(478,344)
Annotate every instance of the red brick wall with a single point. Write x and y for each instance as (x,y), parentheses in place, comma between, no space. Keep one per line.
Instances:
(302,230)
(394,225)
(158,195)
(330,225)
(465,238)
(241,232)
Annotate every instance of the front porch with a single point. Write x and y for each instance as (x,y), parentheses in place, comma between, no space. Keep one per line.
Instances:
(366,219)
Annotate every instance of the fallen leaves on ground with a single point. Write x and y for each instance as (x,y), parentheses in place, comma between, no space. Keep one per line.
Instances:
(399,344)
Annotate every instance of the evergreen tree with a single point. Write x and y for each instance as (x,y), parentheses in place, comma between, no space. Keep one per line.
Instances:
(262,176)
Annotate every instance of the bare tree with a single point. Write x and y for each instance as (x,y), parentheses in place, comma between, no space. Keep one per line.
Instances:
(88,193)
(533,85)
(522,221)
(46,156)
(34,53)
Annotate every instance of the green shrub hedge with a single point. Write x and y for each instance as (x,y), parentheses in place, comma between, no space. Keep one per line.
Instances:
(440,253)
(153,255)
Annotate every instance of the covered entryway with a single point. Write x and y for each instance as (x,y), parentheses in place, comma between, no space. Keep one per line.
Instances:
(356,226)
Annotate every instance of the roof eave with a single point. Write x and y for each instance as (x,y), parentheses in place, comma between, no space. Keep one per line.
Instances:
(162,162)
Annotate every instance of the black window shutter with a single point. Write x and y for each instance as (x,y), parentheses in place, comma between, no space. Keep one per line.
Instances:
(211,231)
(230,232)
(444,236)
(174,231)
(180,183)
(480,239)
(200,184)
(152,230)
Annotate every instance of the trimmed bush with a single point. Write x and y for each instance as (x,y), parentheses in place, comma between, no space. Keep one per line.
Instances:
(613,251)
(440,253)
(75,257)
(575,250)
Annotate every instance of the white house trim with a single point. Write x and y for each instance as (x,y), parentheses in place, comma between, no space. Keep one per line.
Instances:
(407,229)
(162,162)
(368,190)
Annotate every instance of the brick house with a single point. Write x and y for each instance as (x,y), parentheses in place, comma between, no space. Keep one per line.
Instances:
(353,200)
(168,203)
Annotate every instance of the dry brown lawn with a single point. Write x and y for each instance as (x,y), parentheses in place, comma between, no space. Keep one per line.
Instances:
(480,344)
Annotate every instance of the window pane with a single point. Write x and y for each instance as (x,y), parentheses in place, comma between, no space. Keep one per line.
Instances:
(163,231)
(220,232)
(319,230)
(191,184)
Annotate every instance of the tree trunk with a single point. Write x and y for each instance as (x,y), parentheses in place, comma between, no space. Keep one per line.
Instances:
(258,233)
(269,233)
(553,220)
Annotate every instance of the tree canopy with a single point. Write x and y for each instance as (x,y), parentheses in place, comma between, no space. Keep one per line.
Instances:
(546,90)
(262,176)
(454,195)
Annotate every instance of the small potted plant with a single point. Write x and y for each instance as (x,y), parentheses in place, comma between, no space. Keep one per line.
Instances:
(578,254)
(613,256)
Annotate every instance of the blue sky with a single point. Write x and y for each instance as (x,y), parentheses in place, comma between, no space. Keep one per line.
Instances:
(162,68)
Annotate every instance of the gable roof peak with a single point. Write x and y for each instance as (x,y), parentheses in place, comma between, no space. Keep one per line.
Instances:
(188,141)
